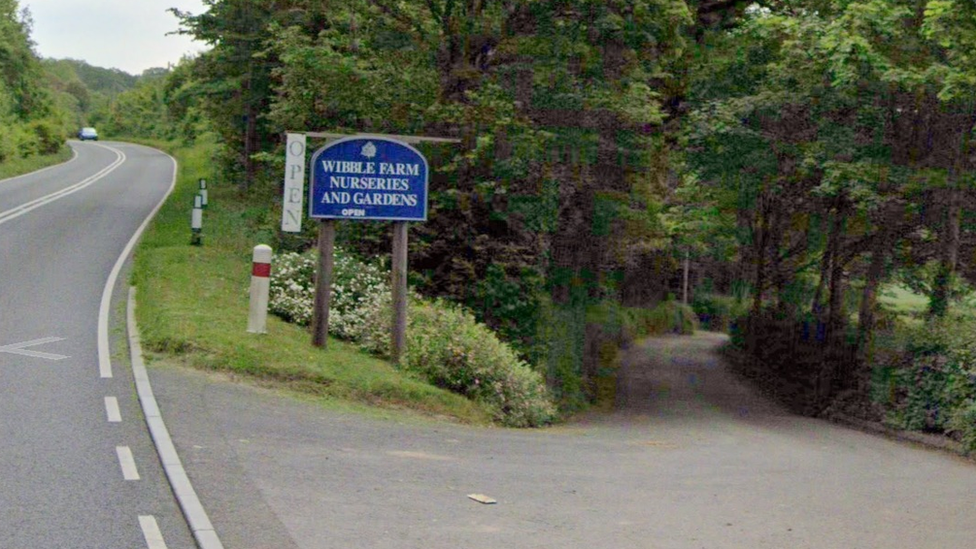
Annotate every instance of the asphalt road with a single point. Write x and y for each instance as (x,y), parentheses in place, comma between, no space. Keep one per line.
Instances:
(691,459)
(63,458)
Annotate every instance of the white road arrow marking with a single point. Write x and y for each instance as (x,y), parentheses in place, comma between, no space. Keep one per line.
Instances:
(19,348)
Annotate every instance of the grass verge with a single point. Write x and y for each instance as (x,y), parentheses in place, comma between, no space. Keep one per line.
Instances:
(193,304)
(903,301)
(19,166)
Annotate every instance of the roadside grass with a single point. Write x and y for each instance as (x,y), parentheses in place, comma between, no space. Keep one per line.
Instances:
(913,307)
(19,166)
(903,301)
(193,306)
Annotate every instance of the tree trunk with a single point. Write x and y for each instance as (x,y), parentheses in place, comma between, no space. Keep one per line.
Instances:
(759,251)
(250,130)
(836,310)
(939,300)
(869,300)
(684,284)
(826,265)
(759,256)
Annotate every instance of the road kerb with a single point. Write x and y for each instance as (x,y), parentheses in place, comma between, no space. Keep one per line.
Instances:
(186,496)
(929,441)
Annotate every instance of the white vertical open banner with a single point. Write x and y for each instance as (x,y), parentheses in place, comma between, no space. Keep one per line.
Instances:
(292,206)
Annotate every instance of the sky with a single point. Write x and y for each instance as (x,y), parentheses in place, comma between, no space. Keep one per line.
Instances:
(122,34)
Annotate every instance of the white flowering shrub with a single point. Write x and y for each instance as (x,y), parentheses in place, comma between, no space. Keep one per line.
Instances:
(354,283)
(292,288)
(445,345)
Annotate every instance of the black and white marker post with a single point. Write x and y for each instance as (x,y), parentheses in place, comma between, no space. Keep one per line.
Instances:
(196,221)
(203,193)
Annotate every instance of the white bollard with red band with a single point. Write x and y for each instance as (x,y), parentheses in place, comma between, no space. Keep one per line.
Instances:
(257,320)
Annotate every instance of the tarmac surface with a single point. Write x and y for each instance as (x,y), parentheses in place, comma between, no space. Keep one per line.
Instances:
(77,467)
(692,458)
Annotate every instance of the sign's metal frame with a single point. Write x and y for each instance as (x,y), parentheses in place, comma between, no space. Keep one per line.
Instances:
(410,139)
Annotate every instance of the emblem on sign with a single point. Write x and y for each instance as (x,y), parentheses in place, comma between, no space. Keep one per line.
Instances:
(369,150)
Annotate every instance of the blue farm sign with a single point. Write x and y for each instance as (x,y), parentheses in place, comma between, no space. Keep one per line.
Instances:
(368,178)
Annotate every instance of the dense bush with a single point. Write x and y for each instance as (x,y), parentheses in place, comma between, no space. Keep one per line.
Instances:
(667,317)
(932,384)
(445,345)
(292,288)
(716,312)
(25,140)
(49,136)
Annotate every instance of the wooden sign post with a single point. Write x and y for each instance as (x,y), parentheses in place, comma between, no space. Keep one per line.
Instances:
(399,283)
(323,284)
(367,178)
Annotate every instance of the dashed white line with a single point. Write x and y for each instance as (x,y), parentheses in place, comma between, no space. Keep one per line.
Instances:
(112,410)
(150,531)
(128,463)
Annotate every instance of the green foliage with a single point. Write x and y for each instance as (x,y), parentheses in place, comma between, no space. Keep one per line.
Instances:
(14,167)
(776,145)
(923,279)
(49,136)
(548,97)
(446,346)
(931,384)
(512,306)
(192,301)
(32,124)
(716,312)
(355,284)
(80,79)
(20,72)
(140,112)
(963,422)
(563,329)
(667,317)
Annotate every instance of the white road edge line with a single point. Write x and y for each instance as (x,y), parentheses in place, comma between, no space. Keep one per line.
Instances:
(104,358)
(112,412)
(128,463)
(14,213)
(150,531)
(74,156)
(196,516)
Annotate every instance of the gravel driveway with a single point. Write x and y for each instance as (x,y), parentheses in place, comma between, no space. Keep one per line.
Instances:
(691,459)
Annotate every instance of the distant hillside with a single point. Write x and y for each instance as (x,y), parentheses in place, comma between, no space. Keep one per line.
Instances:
(96,79)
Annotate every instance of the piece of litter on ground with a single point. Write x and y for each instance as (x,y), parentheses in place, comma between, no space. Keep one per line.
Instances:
(481,498)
